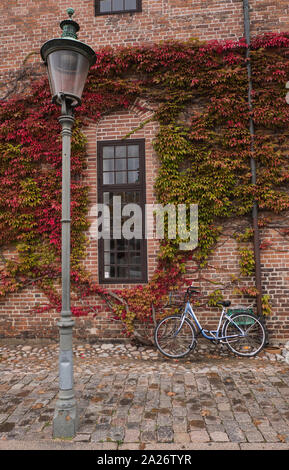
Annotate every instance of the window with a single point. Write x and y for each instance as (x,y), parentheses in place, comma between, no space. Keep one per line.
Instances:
(121,187)
(108,7)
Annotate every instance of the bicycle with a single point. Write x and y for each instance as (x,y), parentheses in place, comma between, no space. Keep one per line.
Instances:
(243,333)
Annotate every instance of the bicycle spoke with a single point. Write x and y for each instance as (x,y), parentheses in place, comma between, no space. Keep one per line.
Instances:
(252,338)
(170,341)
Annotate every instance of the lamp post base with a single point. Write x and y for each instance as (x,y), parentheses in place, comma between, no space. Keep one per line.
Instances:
(65,421)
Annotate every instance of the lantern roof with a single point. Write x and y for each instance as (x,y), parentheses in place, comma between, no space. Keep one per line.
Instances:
(68,40)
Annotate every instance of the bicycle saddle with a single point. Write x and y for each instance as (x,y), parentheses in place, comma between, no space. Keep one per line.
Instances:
(225,303)
(192,290)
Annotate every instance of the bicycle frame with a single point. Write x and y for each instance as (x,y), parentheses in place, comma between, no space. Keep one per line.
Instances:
(210,334)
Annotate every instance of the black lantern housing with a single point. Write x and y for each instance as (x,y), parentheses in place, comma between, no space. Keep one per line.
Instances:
(68,61)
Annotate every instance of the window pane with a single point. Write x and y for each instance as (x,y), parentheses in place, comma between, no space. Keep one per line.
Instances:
(130,4)
(133,176)
(133,163)
(104,5)
(108,152)
(108,165)
(117,5)
(120,151)
(121,178)
(108,178)
(108,245)
(132,150)
(109,258)
(109,198)
(121,244)
(105,198)
(132,244)
(121,258)
(135,272)
(120,164)
(135,259)
(122,272)
(109,271)
(129,196)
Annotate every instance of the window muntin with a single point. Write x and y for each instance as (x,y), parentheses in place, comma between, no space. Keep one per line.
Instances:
(120,164)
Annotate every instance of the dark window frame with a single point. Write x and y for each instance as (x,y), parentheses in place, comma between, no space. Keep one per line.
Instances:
(115,188)
(119,12)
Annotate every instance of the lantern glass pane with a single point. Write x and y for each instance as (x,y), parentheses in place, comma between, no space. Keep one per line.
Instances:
(67,71)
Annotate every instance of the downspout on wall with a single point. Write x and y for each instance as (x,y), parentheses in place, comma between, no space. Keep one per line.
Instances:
(258,282)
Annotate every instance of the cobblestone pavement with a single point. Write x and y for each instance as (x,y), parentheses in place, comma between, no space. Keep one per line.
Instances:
(133,398)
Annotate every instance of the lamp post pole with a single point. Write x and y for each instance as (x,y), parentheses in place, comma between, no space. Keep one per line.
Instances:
(65,421)
(68,61)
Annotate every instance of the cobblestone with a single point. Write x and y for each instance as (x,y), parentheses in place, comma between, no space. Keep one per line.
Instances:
(146,400)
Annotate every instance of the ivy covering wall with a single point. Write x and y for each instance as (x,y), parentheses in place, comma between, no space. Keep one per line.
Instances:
(199,92)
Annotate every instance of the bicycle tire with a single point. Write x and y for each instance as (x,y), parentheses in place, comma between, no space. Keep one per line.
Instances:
(254,339)
(164,334)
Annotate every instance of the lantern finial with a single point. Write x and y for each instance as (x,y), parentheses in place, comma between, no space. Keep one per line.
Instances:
(69,27)
(70,12)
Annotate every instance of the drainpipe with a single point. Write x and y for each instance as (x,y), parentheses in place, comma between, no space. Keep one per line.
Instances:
(258,282)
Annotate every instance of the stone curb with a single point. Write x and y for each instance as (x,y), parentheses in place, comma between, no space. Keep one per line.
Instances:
(17,350)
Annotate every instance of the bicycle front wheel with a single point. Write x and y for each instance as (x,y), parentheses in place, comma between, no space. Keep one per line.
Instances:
(245,334)
(171,342)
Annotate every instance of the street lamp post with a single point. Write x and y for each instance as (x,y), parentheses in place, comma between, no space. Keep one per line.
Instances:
(68,61)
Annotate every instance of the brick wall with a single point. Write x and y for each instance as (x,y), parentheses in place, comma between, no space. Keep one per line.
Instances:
(223,266)
(16,312)
(25,26)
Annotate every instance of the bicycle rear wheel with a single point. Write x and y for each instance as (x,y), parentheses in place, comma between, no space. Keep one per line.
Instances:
(172,343)
(247,341)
